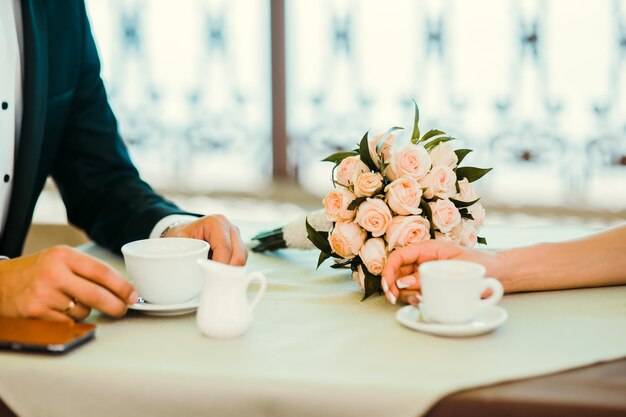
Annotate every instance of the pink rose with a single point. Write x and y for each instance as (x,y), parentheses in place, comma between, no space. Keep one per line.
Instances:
(374,255)
(467,191)
(368,183)
(468,234)
(348,170)
(440,182)
(411,161)
(443,154)
(404,196)
(478,213)
(346,239)
(407,230)
(374,216)
(381,151)
(359,276)
(445,215)
(336,204)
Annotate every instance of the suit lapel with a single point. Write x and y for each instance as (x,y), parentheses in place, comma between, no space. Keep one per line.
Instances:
(35,100)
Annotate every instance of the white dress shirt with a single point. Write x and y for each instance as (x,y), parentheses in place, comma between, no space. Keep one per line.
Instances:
(11,80)
(11,76)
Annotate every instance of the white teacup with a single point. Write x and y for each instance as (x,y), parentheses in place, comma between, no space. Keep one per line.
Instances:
(452,289)
(165,271)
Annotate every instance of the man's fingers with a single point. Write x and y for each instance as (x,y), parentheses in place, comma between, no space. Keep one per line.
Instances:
(79,312)
(103,275)
(93,295)
(239,254)
(221,247)
(54,316)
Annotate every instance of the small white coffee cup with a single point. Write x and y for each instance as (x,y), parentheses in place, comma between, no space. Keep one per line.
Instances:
(165,271)
(452,289)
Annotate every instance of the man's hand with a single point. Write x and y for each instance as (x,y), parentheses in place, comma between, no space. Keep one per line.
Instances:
(226,244)
(61,283)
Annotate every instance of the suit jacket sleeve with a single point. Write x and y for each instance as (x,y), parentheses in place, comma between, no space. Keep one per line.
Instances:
(100,186)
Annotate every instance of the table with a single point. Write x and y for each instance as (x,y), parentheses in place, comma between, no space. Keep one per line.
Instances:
(314,349)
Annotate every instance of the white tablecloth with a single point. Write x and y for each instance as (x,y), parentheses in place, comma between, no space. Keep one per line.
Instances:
(313,350)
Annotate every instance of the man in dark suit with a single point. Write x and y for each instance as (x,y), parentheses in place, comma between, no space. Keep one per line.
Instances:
(55,120)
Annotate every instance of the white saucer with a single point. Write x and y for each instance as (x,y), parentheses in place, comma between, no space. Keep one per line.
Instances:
(488,319)
(166,309)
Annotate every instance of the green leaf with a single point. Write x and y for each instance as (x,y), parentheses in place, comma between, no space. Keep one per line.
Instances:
(322,258)
(372,284)
(465,214)
(356,202)
(416,130)
(269,233)
(319,239)
(461,154)
(463,204)
(339,156)
(482,240)
(354,265)
(429,216)
(471,173)
(383,137)
(342,265)
(364,152)
(428,146)
(431,134)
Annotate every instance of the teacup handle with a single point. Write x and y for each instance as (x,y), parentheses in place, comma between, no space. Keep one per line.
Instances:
(496,295)
(257,276)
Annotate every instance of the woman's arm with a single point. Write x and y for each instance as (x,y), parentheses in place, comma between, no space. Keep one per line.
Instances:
(592,261)
(596,260)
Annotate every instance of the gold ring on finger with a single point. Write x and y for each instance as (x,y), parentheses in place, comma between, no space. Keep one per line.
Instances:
(70,306)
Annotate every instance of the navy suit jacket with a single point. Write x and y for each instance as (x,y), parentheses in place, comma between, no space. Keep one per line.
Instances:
(70,133)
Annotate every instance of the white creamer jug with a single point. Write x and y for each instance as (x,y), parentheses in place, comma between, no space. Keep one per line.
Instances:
(224,310)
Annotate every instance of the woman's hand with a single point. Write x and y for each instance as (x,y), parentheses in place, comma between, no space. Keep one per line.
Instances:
(400,277)
(61,284)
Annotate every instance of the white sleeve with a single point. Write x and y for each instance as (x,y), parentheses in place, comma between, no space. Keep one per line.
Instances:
(169,220)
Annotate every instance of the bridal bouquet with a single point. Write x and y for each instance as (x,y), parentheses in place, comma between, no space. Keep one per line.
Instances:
(387,196)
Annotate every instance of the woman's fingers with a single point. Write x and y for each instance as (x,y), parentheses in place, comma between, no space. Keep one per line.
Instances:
(410,297)
(411,282)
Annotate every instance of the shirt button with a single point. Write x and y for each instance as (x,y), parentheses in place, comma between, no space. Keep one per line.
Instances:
(5,105)
(7,177)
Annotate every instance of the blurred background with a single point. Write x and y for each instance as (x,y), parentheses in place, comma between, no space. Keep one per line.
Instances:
(230,105)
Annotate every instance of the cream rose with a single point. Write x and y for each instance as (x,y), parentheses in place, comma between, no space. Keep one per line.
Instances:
(374,216)
(348,170)
(367,184)
(382,151)
(443,154)
(407,230)
(440,182)
(359,276)
(410,161)
(478,213)
(450,237)
(468,234)
(404,196)
(445,215)
(346,239)
(336,204)
(467,192)
(374,255)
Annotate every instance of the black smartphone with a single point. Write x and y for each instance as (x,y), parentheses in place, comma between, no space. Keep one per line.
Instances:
(43,336)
